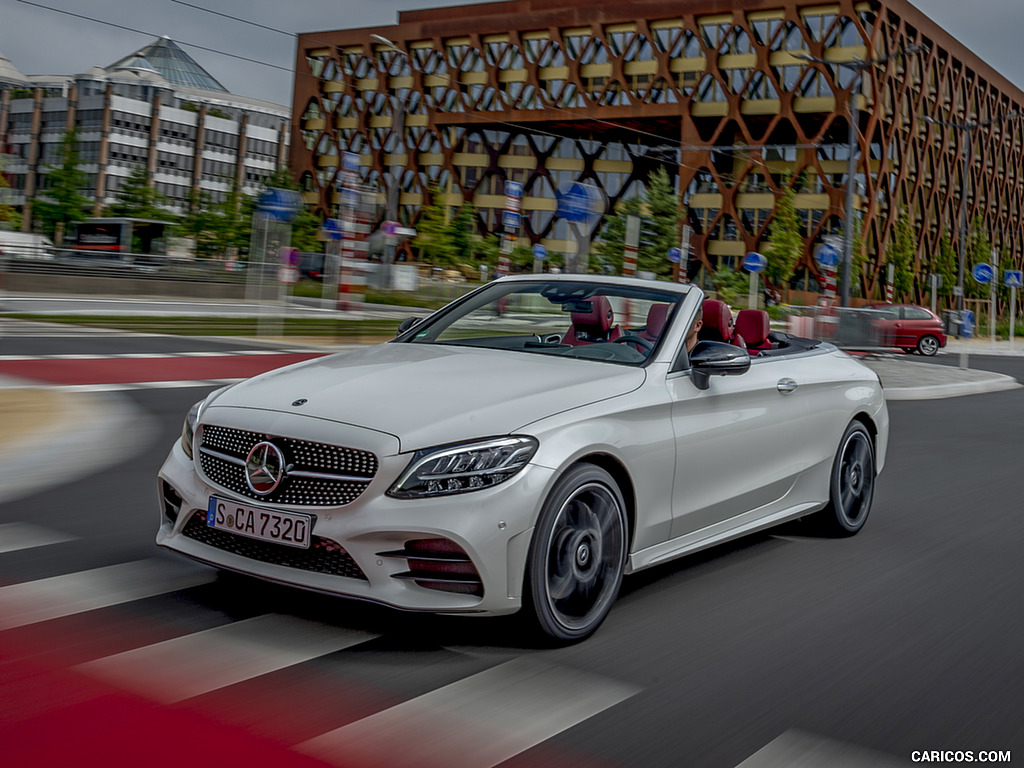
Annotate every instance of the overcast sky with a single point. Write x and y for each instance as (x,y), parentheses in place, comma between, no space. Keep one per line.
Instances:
(41,41)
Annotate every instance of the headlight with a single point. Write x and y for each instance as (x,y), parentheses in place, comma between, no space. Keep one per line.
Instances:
(188,429)
(461,468)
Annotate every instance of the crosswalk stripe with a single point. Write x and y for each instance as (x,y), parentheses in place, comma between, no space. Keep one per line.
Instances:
(798,748)
(195,664)
(477,722)
(16,536)
(31,602)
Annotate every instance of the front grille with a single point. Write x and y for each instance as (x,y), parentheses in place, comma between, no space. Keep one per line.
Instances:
(342,474)
(323,555)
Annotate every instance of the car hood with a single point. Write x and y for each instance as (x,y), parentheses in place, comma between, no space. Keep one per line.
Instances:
(428,395)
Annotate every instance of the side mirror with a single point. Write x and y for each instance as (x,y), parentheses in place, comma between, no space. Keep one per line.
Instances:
(406,324)
(715,358)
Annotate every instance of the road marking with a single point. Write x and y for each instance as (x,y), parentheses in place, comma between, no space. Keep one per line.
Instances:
(34,601)
(477,722)
(799,748)
(132,385)
(195,664)
(16,536)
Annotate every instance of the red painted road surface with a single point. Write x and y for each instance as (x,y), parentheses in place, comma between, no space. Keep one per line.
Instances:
(121,370)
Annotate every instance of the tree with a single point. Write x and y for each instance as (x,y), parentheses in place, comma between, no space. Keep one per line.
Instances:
(900,254)
(9,217)
(137,198)
(433,232)
(660,227)
(63,203)
(462,233)
(946,264)
(785,243)
(606,256)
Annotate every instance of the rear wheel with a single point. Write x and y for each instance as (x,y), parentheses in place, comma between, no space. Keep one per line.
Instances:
(852,485)
(928,345)
(577,556)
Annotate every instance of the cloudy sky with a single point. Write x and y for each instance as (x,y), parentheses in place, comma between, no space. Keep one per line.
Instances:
(42,41)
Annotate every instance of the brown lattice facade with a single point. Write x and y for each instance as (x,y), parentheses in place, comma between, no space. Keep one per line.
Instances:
(546,92)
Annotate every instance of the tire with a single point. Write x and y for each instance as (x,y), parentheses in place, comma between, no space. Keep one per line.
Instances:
(852,484)
(577,555)
(927,345)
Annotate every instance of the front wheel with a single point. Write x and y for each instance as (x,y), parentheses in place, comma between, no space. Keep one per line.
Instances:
(577,556)
(853,484)
(928,345)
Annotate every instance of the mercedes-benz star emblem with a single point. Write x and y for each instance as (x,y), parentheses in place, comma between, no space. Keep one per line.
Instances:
(300,401)
(264,468)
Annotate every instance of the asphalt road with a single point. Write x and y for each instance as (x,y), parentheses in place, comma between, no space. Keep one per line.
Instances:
(906,637)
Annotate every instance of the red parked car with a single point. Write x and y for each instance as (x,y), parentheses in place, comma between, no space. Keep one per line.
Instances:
(909,327)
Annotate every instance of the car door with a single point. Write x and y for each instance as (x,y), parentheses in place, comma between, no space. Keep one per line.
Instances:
(917,322)
(741,443)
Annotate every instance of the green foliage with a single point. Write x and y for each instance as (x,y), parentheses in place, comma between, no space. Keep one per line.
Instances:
(63,203)
(946,263)
(660,225)
(434,232)
(900,253)
(606,255)
(785,243)
(730,285)
(9,216)
(463,233)
(137,198)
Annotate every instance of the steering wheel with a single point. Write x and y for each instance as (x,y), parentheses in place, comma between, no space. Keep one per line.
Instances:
(634,339)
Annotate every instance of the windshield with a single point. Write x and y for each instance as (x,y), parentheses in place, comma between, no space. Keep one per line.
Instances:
(616,323)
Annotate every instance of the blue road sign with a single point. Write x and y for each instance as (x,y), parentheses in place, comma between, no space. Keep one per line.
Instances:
(1013,278)
(279,204)
(754,262)
(333,229)
(827,255)
(511,219)
(540,252)
(349,161)
(983,273)
(513,189)
(578,202)
(675,254)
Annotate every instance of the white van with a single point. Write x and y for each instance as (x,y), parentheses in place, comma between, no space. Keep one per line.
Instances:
(25,245)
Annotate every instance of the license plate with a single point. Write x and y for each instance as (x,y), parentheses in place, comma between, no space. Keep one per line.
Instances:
(286,528)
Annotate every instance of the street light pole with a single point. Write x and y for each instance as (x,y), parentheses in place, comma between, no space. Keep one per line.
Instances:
(397,169)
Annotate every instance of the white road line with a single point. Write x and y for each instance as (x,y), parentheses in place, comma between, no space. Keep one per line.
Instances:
(34,601)
(799,749)
(16,536)
(477,722)
(195,664)
(131,385)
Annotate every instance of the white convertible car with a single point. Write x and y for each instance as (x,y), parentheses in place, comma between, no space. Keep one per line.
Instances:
(524,448)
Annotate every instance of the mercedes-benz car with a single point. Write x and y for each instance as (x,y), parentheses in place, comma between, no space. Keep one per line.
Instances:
(524,448)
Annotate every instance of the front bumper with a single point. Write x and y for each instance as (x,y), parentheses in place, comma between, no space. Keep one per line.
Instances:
(491,526)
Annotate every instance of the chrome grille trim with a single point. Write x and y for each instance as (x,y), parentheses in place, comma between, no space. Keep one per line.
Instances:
(316,474)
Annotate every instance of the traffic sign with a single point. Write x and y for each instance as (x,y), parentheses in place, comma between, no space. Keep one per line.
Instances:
(279,204)
(675,254)
(578,202)
(333,229)
(289,256)
(827,255)
(540,252)
(983,273)
(754,262)
(389,228)
(513,189)
(1013,278)
(349,161)
(511,219)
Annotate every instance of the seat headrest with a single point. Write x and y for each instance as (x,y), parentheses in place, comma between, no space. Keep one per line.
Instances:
(717,321)
(656,317)
(600,317)
(753,325)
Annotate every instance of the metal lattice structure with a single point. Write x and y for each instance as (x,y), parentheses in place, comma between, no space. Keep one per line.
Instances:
(718,92)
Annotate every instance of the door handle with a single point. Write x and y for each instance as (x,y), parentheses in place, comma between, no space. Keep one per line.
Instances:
(785,386)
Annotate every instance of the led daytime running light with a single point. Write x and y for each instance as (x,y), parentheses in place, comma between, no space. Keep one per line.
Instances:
(463,468)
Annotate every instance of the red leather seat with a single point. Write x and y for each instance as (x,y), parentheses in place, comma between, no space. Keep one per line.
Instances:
(718,324)
(754,325)
(594,326)
(657,316)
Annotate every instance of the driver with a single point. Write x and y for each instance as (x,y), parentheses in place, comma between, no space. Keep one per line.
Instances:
(691,336)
